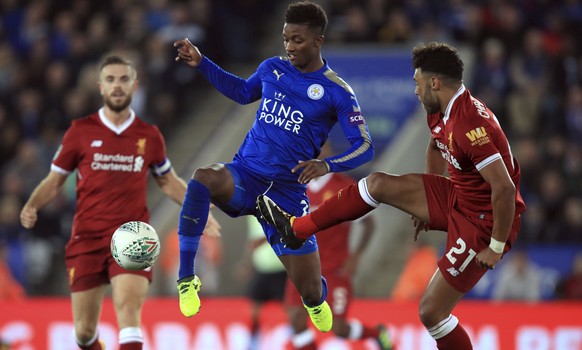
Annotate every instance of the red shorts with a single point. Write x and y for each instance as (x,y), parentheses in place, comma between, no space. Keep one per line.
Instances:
(339,294)
(467,234)
(92,269)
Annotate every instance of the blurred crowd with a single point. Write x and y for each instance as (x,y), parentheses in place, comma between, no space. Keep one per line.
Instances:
(49,55)
(527,68)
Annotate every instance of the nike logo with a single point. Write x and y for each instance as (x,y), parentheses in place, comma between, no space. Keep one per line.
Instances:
(195,220)
(277,74)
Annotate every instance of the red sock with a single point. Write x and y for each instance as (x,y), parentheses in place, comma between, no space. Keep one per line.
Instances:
(96,345)
(131,346)
(456,339)
(346,205)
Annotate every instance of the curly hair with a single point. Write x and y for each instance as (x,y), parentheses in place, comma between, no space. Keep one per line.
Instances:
(439,58)
(306,12)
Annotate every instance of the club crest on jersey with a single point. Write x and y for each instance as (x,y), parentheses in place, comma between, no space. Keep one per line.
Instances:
(315,92)
(141,144)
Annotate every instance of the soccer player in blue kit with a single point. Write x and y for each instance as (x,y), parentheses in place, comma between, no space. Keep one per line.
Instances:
(301,100)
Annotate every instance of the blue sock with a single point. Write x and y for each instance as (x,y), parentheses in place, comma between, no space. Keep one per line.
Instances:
(323,293)
(193,218)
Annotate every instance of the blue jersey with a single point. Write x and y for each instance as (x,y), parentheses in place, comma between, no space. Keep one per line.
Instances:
(295,116)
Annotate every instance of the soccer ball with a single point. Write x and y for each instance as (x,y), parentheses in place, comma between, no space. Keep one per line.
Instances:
(135,245)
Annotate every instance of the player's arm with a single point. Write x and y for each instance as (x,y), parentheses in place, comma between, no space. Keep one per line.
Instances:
(503,203)
(172,185)
(435,163)
(234,87)
(46,191)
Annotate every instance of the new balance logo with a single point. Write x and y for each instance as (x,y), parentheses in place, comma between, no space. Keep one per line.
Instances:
(277,74)
(97,143)
(477,133)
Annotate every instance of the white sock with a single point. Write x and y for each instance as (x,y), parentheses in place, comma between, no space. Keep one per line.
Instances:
(130,335)
(444,327)
(363,189)
(356,330)
(91,341)
(301,339)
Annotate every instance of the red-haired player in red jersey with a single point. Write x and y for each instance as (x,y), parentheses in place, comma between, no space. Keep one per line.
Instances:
(479,205)
(339,264)
(113,151)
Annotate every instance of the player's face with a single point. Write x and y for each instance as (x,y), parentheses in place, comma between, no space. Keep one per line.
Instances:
(117,83)
(425,92)
(303,46)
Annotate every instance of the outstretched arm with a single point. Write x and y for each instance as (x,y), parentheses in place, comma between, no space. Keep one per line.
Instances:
(188,53)
(46,191)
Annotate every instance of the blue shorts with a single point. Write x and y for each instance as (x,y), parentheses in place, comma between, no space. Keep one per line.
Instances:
(292,199)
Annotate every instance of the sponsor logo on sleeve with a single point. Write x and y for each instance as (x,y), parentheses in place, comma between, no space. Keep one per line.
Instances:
(356,118)
(478,136)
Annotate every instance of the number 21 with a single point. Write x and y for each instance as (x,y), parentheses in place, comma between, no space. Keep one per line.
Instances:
(460,249)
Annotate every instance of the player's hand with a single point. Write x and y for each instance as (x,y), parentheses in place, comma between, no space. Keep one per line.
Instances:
(212,228)
(487,258)
(28,217)
(310,170)
(419,225)
(187,52)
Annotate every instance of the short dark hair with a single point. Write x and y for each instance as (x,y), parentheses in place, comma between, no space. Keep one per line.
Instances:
(115,59)
(306,12)
(439,58)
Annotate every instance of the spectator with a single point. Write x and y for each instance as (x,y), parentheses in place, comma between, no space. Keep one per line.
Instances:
(519,279)
(570,288)
(418,270)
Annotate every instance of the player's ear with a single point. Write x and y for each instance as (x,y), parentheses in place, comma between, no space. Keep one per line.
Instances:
(319,40)
(435,83)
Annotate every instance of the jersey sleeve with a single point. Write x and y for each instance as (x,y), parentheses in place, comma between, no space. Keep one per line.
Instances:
(354,127)
(232,86)
(477,141)
(68,154)
(160,163)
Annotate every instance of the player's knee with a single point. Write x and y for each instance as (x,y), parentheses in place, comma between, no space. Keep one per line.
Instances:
(84,333)
(430,314)
(376,183)
(310,291)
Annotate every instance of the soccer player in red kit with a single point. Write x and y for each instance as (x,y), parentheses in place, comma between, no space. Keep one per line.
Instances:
(479,204)
(339,264)
(113,152)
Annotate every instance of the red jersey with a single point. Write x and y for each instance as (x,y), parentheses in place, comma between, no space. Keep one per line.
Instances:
(112,165)
(469,137)
(333,243)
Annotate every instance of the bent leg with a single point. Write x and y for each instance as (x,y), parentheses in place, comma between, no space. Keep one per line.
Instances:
(405,192)
(305,273)
(213,182)
(436,305)
(86,307)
